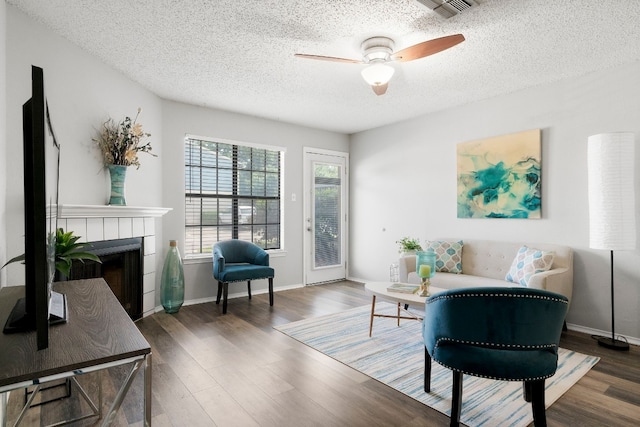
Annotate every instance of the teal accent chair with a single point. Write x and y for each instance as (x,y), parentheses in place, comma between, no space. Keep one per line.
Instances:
(509,334)
(240,261)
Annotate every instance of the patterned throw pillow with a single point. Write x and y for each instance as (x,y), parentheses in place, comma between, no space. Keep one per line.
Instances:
(448,255)
(528,262)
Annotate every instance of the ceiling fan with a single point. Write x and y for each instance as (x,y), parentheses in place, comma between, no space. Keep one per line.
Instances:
(377,51)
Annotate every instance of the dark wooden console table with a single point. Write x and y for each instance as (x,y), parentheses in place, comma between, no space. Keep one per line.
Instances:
(98,335)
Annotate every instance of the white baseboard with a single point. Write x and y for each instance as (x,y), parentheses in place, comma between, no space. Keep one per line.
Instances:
(234,295)
(597,332)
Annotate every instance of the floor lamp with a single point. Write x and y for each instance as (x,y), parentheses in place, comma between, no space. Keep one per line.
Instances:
(612,223)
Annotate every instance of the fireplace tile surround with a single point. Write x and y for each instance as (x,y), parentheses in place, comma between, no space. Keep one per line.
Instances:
(98,223)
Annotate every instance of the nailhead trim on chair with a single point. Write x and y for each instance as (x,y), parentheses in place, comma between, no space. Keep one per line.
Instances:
(494,378)
(255,278)
(477,295)
(490,344)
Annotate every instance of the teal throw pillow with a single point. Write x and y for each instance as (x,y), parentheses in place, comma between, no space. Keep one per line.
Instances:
(448,255)
(528,262)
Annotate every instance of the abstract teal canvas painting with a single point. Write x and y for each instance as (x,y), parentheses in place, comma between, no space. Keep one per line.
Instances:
(500,177)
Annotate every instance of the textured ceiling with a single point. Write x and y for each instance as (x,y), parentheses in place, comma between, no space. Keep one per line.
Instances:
(238,55)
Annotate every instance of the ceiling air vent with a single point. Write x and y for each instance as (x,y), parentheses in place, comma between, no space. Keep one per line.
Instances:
(448,8)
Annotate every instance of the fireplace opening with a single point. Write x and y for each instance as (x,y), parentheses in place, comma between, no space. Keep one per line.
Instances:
(122,269)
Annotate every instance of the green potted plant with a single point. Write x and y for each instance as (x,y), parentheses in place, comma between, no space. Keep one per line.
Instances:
(408,245)
(67,249)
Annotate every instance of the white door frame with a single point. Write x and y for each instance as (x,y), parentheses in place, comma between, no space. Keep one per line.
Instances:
(310,276)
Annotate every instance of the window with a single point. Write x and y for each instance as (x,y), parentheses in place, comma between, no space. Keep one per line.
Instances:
(232,191)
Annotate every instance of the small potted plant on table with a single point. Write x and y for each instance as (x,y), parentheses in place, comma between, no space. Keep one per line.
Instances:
(67,249)
(408,246)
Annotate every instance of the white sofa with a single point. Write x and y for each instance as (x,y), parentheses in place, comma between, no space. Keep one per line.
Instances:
(486,263)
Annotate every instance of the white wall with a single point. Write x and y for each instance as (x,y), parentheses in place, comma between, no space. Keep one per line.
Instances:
(181,119)
(3,138)
(404,181)
(82,93)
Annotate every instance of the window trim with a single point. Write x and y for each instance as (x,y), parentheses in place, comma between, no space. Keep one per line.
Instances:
(261,146)
(236,142)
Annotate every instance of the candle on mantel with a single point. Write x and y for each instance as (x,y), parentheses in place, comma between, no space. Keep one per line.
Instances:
(425,270)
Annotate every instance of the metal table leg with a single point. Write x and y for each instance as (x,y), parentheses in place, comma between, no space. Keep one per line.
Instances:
(147,391)
(115,406)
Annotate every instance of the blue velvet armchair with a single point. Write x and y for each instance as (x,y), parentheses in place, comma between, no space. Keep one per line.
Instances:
(240,261)
(509,334)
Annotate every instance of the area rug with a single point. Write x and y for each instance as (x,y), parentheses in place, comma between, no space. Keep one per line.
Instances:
(395,356)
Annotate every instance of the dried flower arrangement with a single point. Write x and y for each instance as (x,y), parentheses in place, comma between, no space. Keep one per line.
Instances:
(121,142)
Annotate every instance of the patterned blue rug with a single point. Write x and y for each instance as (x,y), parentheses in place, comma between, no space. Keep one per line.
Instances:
(395,356)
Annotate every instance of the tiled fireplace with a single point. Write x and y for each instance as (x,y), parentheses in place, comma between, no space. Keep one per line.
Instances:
(108,223)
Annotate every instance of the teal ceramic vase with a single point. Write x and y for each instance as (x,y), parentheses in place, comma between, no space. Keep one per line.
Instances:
(172,282)
(118,173)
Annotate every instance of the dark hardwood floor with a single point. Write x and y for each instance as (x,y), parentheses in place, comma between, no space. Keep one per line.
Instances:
(236,370)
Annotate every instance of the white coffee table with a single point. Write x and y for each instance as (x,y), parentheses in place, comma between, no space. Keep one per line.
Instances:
(379,289)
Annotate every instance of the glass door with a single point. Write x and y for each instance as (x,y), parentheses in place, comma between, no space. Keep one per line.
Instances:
(325,216)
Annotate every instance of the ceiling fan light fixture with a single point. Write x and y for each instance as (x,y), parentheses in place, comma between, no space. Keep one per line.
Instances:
(377,52)
(378,74)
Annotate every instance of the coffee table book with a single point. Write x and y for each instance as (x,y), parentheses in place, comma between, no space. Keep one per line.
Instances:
(404,288)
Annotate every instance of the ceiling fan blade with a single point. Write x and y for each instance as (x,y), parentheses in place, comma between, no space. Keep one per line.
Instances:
(380,89)
(328,58)
(427,48)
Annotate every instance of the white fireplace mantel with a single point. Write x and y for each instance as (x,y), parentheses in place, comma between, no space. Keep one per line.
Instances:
(110,211)
(94,223)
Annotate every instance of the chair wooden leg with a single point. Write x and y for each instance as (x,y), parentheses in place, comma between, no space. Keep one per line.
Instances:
(249,288)
(219,292)
(526,391)
(427,371)
(271,291)
(225,294)
(456,399)
(537,403)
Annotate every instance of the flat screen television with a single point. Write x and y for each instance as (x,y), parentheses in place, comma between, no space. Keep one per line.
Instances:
(40,306)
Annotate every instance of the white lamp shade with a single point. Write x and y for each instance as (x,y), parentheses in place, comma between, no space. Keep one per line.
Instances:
(610,162)
(378,74)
